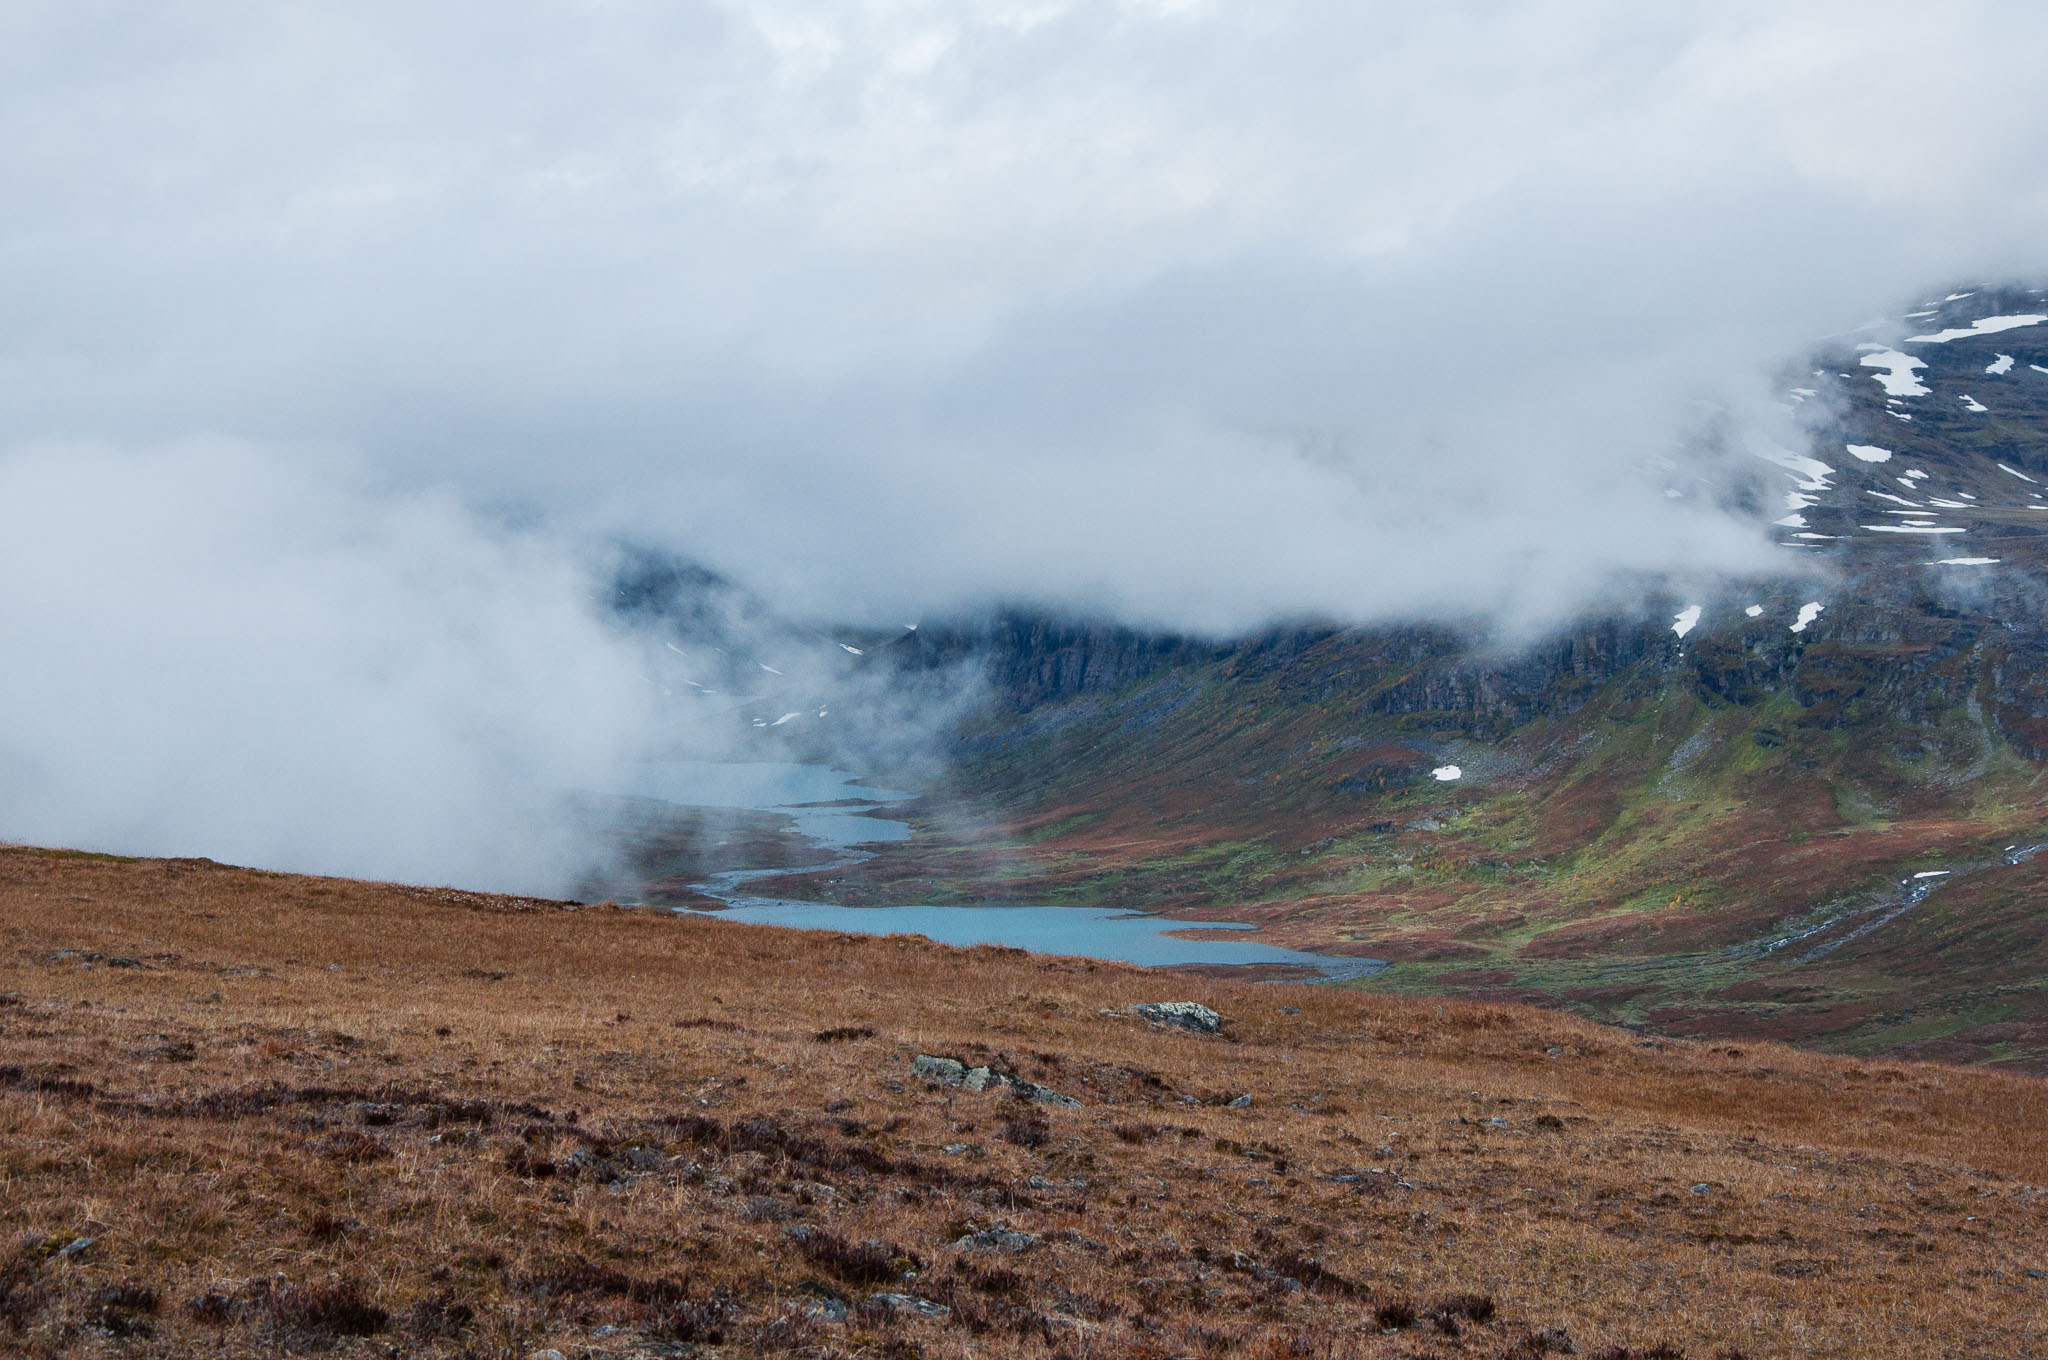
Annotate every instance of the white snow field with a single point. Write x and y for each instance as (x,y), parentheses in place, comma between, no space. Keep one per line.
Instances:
(1989,325)
(1897,379)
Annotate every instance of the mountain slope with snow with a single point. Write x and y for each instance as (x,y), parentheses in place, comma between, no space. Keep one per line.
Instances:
(1702,811)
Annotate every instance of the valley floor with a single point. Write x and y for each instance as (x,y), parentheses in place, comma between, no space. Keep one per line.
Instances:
(245,1113)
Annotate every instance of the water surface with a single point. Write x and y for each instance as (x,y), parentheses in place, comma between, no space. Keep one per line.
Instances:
(839,831)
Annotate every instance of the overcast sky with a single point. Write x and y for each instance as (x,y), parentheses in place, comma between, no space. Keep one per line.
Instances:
(1200,313)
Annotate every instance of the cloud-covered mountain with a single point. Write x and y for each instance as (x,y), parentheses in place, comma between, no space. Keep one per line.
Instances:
(1197,315)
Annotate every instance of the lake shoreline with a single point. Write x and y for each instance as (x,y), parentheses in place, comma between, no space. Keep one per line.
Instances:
(834,811)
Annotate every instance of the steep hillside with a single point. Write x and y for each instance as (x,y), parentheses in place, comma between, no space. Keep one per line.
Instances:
(1703,814)
(248,1114)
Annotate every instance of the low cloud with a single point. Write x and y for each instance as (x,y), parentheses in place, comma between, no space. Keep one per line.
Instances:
(215,650)
(1204,313)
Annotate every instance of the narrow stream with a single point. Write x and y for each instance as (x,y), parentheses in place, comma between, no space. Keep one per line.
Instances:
(835,812)
(1861,921)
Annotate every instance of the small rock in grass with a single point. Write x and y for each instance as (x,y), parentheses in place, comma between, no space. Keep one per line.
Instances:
(951,1072)
(1703,1189)
(1191,1016)
(944,1071)
(586,1164)
(1041,1095)
(1243,1102)
(646,1159)
(549,1354)
(75,1248)
(909,1303)
(998,1239)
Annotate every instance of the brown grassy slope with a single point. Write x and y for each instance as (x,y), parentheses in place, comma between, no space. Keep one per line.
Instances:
(392,1120)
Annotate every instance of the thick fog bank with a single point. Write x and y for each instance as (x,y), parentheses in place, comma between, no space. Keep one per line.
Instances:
(213,651)
(1199,312)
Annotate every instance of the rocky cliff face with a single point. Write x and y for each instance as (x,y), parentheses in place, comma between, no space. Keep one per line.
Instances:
(1881,655)
(1035,659)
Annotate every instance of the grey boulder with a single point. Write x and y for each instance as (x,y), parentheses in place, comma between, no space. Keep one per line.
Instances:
(951,1072)
(1191,1016)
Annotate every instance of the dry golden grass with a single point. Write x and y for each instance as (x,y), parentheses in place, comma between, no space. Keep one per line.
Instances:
(383,1120)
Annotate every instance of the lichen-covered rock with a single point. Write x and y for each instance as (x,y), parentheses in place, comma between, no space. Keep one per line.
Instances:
(951,1072)
(1191,1016)
(944,1071)
(998,1238)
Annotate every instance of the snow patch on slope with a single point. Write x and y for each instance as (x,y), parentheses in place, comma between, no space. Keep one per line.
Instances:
(1815,471)
(1989,325)
(1897,379)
